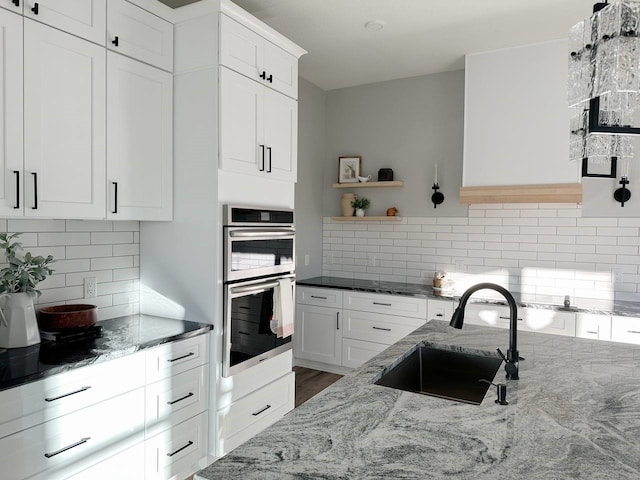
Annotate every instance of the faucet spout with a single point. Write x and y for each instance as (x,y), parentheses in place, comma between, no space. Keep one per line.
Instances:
(513,357)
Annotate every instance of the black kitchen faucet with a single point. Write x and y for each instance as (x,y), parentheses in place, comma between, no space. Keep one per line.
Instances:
(511,361)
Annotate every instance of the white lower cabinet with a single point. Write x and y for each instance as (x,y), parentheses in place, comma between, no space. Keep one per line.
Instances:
(439,310)
(138,416)
(596,327)
(625,329)
(244,418)
(345,328)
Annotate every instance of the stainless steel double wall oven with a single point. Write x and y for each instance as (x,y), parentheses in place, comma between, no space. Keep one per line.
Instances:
(259,250)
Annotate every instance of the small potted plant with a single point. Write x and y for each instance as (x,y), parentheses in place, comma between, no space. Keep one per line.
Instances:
(360,204)
(18,280)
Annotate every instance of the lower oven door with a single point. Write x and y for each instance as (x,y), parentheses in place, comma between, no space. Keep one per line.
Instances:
(247,332)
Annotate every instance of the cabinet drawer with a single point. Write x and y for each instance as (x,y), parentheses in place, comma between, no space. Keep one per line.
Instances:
(174,400)
(391,304)
(321,297)
(439,310)
(357,352)
(52,397)
(74,442)
(253,413)
(377,327)
(490,315)
(137,33)
(177,357)
(176,453)
(625,329)
(597,327)
(548,321)
(126,464)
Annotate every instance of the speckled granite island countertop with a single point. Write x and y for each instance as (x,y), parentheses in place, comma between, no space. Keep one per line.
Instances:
(574,414)
(120,336)
(580,305)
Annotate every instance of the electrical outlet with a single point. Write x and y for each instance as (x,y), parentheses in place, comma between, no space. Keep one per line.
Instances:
(307,260)
(617,275)
(90,287)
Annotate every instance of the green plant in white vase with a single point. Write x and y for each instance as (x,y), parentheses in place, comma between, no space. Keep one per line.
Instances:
(18,280)
(360,204)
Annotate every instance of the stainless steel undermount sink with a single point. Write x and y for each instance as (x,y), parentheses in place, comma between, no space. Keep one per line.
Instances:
(443,371)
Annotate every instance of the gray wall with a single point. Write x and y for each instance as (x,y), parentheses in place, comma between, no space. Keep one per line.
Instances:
(408,125)
(308,196)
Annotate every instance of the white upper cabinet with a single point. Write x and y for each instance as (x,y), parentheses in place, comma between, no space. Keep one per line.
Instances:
(11,172)
(64,124)
(139,140)
(258,129)
(250,54)
(13,5)
(85,18)
(137,33)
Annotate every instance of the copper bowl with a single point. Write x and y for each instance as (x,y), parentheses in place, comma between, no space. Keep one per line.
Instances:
(61,317)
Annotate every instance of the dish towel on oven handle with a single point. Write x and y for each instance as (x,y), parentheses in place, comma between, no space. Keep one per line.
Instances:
(283,308)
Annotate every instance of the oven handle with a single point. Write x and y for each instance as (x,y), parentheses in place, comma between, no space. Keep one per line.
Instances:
(288,232)
(256,287)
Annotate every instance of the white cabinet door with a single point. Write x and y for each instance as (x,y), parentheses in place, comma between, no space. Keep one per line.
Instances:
(13,5)
(139,140)
(11,173)
(357,352)
(137,33)
(548,321)
(281,70)
(321,297)
(241,49)
(64,122)
(439,310)
(242,148)
(597,327)
(86,19)
(318,334)
(280,136)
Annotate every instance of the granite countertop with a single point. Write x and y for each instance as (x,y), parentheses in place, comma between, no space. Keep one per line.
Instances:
(120,336)
(592,306)
(574,414)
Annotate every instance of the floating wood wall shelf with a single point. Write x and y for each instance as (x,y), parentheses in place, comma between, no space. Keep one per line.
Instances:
(552,193)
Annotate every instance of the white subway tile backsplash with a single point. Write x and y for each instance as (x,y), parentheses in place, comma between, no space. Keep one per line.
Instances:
(530,248)
(109,263)
(89,251)
(91,226)
(73,238)
(29,225)
(68,266)
(102,238)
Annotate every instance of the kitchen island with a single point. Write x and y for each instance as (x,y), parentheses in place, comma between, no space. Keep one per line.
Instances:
(574,414)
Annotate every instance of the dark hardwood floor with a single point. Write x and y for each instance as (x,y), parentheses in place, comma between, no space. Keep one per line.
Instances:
(311,382)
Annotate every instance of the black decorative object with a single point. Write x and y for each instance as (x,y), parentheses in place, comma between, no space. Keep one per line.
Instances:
(437,198)
(612,173)
(385,175)
(623,194)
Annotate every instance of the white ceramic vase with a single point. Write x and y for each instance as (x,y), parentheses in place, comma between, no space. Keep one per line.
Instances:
(359,212)
(18,324)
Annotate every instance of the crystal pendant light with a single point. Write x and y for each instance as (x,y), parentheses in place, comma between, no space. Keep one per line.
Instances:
(604,84)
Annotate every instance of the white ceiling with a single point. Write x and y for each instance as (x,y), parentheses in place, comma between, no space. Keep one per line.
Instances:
(420,37)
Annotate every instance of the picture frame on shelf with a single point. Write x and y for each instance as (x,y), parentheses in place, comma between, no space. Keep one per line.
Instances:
(349,169)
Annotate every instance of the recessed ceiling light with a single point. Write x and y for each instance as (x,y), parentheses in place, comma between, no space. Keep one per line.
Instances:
(375,25)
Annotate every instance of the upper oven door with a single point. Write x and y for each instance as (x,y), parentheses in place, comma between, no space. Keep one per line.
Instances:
(254,252)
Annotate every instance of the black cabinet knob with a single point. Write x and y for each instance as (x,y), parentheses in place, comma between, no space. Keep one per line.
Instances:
(115,41)
(270,79)
(16,2)
(35,8)
(263,75)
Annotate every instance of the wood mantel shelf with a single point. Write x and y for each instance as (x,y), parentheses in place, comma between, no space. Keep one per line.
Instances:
(367,218)
(552,193)
(394,183)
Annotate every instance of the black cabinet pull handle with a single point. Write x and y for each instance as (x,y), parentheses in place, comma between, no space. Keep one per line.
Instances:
(53,399)
(16,2)
(337,320)
(380,328)
(439,315)
(315,296)
(190,354)
(269,149)
(263,75)
(261,411)
(35,8)
(180,449)
(78,443)
(383,304)
(17,173)
(262,163)
(172,402)
(270,79)
(115,41)
(35,191)
(115,197)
